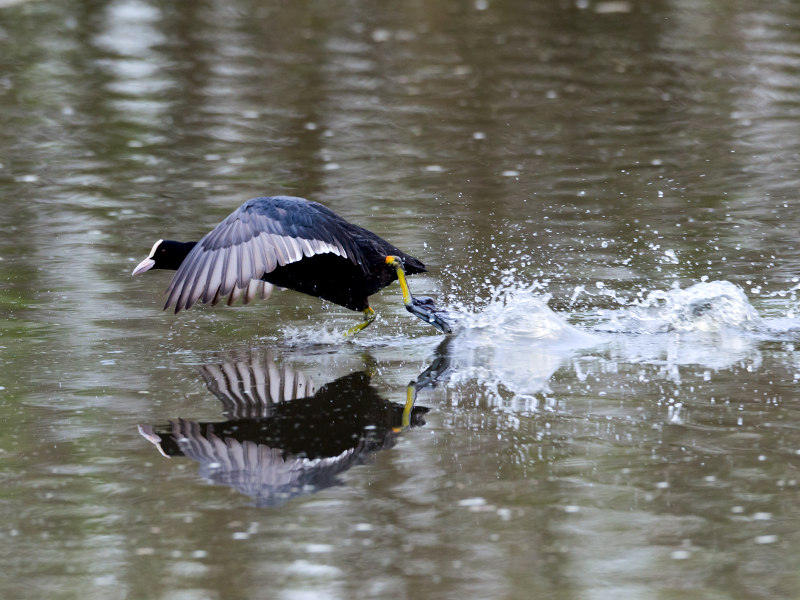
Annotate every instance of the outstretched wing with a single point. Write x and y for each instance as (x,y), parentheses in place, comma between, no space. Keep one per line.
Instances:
(260,236)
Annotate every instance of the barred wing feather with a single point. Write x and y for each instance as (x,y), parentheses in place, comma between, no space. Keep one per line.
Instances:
(260,236)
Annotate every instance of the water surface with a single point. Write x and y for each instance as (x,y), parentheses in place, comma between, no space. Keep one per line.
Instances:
(605,195)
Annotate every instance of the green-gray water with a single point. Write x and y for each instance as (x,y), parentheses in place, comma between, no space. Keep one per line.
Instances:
(605,192)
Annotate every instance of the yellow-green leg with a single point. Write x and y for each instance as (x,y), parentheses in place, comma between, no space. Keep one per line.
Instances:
(369,317)
(424,308)
(395,262)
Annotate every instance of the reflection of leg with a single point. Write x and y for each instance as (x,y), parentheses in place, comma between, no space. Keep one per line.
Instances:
(369,317)
(370,364)
(438,369)
(411,398)
(428,378)
(424,308)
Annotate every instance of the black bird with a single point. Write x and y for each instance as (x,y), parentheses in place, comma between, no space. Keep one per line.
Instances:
(291,243)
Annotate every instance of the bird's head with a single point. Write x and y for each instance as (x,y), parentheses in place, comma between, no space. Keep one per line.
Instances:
(165,254)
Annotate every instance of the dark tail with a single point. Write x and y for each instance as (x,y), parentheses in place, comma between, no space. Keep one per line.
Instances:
(412,265)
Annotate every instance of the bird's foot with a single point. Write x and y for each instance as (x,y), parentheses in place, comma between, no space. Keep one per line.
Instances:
(369,317)
(425,308)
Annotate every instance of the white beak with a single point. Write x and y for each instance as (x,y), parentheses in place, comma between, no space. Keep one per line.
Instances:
(145,265)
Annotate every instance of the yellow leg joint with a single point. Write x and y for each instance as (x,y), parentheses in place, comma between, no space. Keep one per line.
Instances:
(395,262)
(369,317)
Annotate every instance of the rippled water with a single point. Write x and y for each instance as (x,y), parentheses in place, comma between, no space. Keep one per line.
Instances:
(605,195)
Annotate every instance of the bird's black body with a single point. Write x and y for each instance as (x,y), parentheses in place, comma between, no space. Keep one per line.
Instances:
(338,280)
(287,242)
(344,281)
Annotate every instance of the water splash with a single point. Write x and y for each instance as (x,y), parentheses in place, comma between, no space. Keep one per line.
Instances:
(520,315)
(309,337)
(708,324)
(509,344)
(707,307)
(512,347)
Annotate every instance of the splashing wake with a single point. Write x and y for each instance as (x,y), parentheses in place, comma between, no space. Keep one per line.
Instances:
(704,307)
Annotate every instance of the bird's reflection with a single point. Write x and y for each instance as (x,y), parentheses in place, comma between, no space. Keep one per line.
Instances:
(283,437)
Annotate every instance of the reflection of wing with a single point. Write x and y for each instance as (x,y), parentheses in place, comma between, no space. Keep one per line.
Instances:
(250,388)
(283,438)
(254,469)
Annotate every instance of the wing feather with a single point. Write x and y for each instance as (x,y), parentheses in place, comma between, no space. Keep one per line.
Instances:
(259,257)
(246,267)
(251,291)
(234,295)
(277,248)
(198,287)
(215,299)
(178,281)
(291,251)
(267,252)
(286,253)
(230,272)
(214,280)
(297,247)
(184,300)
(257,238)
(255,289)
(293,247)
